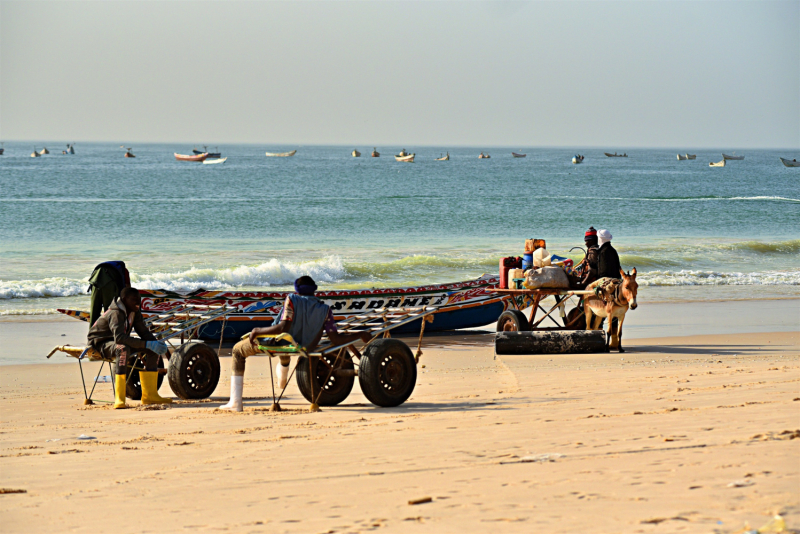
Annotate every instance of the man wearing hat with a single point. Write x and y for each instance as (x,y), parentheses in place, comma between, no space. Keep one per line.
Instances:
(590,261)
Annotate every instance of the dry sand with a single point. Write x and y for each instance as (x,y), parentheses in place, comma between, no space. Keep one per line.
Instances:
(652,440)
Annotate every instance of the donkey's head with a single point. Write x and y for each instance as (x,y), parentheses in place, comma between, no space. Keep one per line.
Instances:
(629,287)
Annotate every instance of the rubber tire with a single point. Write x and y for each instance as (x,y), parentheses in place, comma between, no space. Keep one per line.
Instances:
(380,389)
(338,387)
(133,385)
(193,371)
(580,324)
(514,319)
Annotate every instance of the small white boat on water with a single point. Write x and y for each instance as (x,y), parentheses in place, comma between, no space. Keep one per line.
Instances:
(718,164)
(733,158)
(356,153)
(691,156)
(214,161)
(682,158)
(281,154)
(790,162)
(407,158)
(35,154)
(577,159)
(44,151)
(517,155)
(444,158)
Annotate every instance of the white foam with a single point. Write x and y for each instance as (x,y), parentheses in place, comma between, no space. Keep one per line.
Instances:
(712,278)
(48,287)
(270,273)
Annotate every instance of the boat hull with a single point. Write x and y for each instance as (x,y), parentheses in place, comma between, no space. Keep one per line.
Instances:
(281,154)
(185,157)
(518,155)
(790,163)
(460,305)
(215,161)
(732,158)
(408,159)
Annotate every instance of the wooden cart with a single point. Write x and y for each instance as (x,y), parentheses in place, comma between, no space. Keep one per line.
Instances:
(513,320)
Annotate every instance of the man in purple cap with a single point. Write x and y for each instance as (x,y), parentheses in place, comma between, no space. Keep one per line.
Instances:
(304,317)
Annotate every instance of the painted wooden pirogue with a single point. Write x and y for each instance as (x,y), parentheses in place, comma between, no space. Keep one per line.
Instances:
(460,305)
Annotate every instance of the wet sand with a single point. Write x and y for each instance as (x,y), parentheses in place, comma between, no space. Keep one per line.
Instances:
(679,434)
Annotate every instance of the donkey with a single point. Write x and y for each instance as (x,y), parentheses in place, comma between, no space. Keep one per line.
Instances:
(623,297)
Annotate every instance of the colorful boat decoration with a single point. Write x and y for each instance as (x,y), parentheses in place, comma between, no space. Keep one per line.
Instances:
(460,305)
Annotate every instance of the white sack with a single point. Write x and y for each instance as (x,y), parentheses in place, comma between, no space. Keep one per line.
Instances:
(547,277)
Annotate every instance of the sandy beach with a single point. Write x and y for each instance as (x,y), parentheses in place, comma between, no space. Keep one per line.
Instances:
(679,434)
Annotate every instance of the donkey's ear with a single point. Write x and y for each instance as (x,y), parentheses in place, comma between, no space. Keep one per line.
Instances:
(622,272)
(633,272)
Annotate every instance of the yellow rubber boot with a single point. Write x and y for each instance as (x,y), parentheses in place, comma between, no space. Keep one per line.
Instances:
(150,394)
(119,392)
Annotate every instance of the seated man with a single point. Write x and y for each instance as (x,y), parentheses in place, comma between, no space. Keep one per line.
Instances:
(608,265)
(589,263)
(110,336)
(304,317)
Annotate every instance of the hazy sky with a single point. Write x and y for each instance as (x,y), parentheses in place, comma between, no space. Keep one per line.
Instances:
(609,74)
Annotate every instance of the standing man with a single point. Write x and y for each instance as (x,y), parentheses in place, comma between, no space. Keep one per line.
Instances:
(608,265)
(304,317)
(111,336)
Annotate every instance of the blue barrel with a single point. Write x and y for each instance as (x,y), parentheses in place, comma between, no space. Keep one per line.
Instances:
(527,261)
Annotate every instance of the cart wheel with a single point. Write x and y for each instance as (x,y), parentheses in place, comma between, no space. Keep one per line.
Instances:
(336,390)
(513,321)
(193,371)
(580,322)
(387,372)
(133,386)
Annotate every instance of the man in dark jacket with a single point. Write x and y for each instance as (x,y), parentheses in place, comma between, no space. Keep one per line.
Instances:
(608,265)
(111,336)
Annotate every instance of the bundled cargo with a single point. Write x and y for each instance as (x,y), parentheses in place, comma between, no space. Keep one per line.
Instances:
(548,277)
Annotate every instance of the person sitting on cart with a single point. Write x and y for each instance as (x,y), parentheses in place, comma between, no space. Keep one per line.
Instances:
(608,265)
(305,318)
(111,336)
(589,263)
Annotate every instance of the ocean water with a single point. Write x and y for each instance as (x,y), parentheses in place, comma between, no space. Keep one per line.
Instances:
(693,232)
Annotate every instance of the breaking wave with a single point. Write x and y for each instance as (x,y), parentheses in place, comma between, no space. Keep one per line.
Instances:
(712,278)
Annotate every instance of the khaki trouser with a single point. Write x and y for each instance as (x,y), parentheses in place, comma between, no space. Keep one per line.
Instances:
(243,350)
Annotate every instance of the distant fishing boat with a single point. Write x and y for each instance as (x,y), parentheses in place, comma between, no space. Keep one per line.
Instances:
(356,153)
(44,151)
(196,157)
(281,154)
(736,158)
(682,158)
(691,156)
(214,161)
(790,163)
(128,153)
(577,159)
(615,155)
(2,150)
(516,155)
(205,151)
(70,149)
(407,158)
(402,153)
(375,153)
(718,164)
(484,156)
(34,154)
(444,158)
